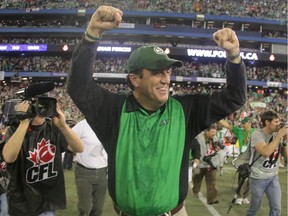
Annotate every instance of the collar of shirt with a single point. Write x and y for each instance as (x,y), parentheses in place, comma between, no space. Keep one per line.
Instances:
(133,105)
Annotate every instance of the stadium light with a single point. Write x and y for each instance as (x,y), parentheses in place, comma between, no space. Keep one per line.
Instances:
(272,57)
(167,51)
(65,48)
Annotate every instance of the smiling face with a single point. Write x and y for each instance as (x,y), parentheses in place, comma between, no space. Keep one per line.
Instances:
(151,88)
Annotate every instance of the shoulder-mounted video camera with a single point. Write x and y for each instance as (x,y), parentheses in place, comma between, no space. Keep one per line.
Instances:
(40,104)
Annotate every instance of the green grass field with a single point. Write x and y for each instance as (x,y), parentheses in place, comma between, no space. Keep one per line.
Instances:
(194,205)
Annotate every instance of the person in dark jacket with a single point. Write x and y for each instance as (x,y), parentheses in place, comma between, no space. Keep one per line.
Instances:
(4,176)
(33,153)
(148,133)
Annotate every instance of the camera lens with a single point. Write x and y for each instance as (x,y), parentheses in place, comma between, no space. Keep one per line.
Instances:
(43,108)
(46,107)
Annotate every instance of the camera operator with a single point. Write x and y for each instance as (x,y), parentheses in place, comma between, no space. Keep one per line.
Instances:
(32,151)
(209,146)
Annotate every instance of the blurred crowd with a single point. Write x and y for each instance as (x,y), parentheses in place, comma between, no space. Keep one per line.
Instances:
(71,20)
(50,40)
(268,9)
(274,99)
(191,68)
(40,40)
(34,63)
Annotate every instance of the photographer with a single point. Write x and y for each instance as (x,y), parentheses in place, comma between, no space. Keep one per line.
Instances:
(267,143)
(209,146)
(32,151)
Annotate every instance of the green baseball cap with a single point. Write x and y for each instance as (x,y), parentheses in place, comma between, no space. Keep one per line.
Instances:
(151,58)
(244,120)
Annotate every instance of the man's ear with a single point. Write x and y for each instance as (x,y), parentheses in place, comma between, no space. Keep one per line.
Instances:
(134,79)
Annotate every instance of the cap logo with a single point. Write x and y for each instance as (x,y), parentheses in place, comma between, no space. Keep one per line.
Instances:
(159,51)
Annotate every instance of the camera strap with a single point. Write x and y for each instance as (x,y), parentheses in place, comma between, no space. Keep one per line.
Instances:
(275,155)
(271,139)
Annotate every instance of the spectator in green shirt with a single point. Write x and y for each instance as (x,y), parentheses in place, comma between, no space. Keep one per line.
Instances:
(242,133)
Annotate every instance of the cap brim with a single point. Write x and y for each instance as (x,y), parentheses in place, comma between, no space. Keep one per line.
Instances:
(176,63)
(158,65)
(245,120)
(165,64)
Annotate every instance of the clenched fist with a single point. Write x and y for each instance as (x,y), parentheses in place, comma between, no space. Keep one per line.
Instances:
(227,39)
(103,19)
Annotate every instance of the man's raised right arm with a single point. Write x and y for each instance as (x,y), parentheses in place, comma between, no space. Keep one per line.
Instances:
(80,84)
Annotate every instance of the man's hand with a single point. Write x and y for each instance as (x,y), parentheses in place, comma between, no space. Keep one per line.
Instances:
(59,120)
(282,132)
(227,39)
(103,19)
(21,111)
(196,163)
(22,107)
(74,142)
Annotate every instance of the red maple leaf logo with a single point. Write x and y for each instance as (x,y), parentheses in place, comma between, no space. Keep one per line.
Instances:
(43,154)
(3,166)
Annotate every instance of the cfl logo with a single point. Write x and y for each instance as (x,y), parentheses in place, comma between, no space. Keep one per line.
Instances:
(269,165)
